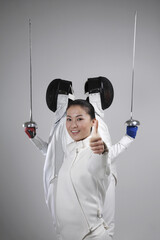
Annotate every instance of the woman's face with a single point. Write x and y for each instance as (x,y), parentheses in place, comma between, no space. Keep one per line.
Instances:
(78,123)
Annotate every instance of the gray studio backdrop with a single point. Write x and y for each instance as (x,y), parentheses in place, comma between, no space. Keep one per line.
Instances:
(76,40)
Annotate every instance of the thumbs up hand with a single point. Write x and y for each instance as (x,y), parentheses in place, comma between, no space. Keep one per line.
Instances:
(96,143)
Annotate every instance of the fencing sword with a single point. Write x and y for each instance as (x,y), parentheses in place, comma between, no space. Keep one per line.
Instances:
(131,121)
(31,123)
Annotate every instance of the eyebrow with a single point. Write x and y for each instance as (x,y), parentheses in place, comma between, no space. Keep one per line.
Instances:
(80,115)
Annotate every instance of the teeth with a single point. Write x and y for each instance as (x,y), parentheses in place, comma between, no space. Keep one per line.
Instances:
(74,131)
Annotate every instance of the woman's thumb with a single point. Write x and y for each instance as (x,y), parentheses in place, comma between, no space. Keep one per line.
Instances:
(95,128)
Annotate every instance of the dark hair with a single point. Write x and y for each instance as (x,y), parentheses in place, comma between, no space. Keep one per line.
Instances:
(83,104)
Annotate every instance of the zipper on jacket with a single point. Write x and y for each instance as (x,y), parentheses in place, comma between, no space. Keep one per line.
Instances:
(77,193)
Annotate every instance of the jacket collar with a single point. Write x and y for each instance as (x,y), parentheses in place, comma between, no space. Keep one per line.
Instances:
(78,145)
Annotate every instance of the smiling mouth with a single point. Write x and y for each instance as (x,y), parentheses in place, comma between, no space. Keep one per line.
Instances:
(74,131)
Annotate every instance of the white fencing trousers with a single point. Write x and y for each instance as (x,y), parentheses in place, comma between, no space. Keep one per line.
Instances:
(98,234)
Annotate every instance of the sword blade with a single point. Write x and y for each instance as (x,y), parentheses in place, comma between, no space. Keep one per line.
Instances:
(30,57)
(133,62)
(131,121)
(30,123)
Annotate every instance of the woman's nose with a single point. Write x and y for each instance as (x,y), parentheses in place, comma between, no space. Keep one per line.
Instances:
(74,124)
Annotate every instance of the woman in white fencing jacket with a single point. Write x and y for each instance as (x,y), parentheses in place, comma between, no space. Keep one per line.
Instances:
(76,194)
(62,145)
(83,178)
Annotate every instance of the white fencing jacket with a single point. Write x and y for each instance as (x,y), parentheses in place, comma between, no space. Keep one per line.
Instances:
(82,183)
(66,191)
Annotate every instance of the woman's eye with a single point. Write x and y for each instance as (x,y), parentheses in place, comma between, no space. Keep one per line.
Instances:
(68,119)
(79,119)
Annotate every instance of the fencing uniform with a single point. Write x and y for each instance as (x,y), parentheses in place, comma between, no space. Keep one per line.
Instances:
(82,183)
(95,217)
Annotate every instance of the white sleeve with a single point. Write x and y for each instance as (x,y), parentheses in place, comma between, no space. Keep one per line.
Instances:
(104,132)
(40,144)
(115,149)
(119,147)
